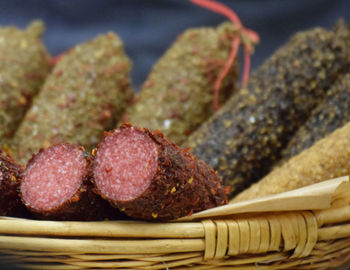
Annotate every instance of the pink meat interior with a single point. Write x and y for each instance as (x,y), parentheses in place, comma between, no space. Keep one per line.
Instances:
(54,176)
(126,162)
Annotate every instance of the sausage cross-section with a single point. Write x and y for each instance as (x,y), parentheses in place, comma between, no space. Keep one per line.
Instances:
(56,185)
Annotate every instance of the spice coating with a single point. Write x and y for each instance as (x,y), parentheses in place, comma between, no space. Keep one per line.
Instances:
(181,184)
(246,136)
(10,179)
(326,159)
(85,94)
(24,64)
(332,113)
(84,204)
(178,94)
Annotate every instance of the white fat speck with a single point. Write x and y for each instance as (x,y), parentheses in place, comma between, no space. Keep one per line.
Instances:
(167,124)
(35,108)
(252,119)
(214,161)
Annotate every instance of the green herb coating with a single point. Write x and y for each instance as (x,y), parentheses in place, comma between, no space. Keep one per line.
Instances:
(24,64)
(178,94)
(246,136)
(85,94)
(331,114)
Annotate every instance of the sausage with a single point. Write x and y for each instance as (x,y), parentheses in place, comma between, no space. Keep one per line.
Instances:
(331,114)
(146,176)
(57,185)
(10,179)
(85,94)
(326,159)
(24,65)
(178,94)
(245,138)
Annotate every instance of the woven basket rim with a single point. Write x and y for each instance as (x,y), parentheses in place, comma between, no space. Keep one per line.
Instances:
(268,231)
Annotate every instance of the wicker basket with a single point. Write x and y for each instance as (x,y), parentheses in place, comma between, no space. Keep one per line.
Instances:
(304,229)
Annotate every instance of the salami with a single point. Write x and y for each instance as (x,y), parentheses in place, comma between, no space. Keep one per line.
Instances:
(331,114)
(328,158)
(10,180)
(148,177)
(245,138)
(85,94)
(24,65)
(178,94)
(56,185)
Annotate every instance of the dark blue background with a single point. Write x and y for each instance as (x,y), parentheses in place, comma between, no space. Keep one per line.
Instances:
(149,27)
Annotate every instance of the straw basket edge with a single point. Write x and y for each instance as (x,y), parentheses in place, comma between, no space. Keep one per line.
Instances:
(294,239)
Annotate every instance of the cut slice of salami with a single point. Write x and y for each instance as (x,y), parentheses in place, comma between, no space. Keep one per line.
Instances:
(56,185)
(148,177)
(10,179)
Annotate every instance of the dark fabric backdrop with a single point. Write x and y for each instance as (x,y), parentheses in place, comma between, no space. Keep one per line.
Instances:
(149,27)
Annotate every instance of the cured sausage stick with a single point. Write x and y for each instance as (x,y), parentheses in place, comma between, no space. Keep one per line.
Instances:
(245,138)
(178,94)
(148,177)
(85,94)
(326,159)
(331,114)
(24,65)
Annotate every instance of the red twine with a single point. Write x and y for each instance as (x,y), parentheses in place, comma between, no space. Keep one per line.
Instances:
(245,36)
(56,59)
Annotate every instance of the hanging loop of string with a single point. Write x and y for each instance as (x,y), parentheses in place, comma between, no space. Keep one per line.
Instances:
(246,37)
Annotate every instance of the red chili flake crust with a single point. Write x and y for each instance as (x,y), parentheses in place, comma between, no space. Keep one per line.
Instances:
(85,94)
(245,138)
(181,183)
(84,204)
(10,179)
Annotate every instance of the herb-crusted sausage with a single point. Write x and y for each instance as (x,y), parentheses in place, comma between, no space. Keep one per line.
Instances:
(85,94)
(328,158)
(24,64)
(245,137)
(178,94)
(332,113)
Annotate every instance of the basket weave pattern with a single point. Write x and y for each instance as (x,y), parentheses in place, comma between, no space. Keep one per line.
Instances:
(308,239)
